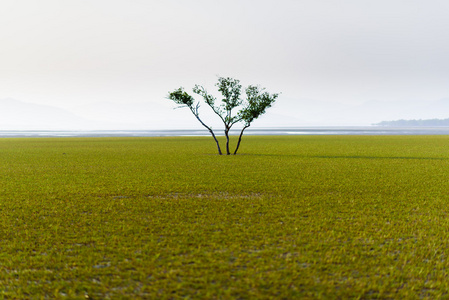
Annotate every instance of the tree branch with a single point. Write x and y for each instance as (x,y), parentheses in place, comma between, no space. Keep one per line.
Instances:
(196,114)
(240,138)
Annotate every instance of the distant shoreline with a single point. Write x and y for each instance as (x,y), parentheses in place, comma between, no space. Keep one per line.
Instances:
(415,123)
(329,130)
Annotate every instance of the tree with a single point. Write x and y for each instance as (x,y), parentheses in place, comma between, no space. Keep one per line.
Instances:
(249,109)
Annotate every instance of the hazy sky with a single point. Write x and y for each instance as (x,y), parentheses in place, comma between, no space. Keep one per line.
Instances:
(76,52)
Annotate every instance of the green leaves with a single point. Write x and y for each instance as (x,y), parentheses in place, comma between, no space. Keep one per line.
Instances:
(230,89)
(210,100)
(179,96)
(257,101)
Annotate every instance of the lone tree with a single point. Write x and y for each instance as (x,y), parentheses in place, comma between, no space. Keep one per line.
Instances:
(254,105)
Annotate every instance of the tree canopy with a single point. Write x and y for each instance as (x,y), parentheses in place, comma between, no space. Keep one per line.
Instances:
(231,109)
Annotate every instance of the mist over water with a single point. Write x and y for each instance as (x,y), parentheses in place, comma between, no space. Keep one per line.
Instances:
(353,130)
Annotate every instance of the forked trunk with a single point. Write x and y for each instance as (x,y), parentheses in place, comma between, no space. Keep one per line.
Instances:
(240,139)
(227,141)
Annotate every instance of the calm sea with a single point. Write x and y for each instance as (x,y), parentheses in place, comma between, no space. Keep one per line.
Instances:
(369,130)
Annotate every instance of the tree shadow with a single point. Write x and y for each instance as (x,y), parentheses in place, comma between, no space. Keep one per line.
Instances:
(349,156)
(380,157)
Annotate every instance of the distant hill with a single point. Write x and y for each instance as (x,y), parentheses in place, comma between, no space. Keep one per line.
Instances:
(415,123)
(18,115)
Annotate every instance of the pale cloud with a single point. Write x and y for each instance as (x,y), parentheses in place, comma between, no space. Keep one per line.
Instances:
(69,53)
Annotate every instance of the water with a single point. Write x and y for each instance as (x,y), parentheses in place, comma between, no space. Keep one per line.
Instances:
(368,130)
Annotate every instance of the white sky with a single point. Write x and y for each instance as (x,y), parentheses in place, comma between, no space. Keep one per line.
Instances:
(77,52)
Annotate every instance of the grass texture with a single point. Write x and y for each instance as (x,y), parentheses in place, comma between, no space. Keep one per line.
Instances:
(318,217)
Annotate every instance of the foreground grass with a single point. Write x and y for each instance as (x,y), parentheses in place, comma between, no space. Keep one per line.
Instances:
(313,217)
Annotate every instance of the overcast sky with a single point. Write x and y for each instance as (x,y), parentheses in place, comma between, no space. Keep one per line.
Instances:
(316,52)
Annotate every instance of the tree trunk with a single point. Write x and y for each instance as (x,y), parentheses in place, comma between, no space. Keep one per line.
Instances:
(227,141)
(211,132)
(240,139)
(216,141)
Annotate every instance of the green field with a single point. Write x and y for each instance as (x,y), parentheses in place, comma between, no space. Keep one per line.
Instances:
(166,218)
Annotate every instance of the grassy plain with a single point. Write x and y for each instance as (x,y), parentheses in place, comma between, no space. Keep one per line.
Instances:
(290,217)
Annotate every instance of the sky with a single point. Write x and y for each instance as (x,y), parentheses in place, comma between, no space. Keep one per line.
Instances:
(345,62)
